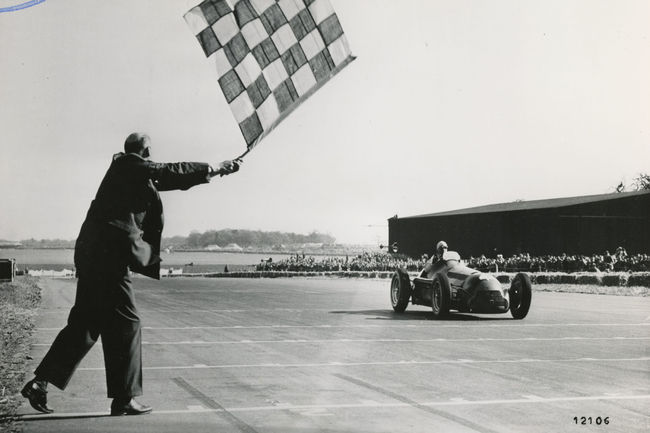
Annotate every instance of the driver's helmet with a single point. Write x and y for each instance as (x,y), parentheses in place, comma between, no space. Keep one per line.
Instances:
(441,248)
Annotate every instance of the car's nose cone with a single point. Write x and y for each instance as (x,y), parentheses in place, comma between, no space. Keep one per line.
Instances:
(489,297)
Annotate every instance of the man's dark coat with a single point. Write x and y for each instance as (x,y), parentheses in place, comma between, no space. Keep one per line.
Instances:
(122,231)
(125,221)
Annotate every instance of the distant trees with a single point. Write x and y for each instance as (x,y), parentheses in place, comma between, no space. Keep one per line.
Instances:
(640,183)
(245,238)
(198,240)
(47,243)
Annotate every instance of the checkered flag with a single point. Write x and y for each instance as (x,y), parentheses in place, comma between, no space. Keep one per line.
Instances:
(270,55)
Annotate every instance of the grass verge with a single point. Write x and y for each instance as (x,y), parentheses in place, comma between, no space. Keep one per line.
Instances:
(18,303)
(593,289)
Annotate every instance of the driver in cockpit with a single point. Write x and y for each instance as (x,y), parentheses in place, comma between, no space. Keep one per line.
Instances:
(436,262)
(441,249)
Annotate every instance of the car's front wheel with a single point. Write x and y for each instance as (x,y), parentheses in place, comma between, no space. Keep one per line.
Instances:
(400,290)
(440,296)
(521,294)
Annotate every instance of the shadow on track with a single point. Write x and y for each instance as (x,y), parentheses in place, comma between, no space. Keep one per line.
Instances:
(418,315)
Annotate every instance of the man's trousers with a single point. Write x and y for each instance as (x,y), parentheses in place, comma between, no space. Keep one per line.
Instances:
(104,306)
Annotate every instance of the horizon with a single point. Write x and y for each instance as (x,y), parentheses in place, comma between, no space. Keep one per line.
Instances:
(337,242)
(317,233)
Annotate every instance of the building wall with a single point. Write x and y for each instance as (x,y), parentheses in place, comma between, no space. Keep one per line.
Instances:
(581,229)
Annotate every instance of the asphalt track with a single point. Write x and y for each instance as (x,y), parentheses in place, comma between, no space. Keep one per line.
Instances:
(329,355)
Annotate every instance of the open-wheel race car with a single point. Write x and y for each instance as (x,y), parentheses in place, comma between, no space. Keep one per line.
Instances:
(448,284)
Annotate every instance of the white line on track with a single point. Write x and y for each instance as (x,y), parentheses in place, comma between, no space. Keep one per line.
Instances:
(332,309)
(481,324)
(380,363)
(532,397)
(377,340)
(225,310)
(364,405)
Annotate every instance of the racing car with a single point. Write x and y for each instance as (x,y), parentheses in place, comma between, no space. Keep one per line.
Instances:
(447,284)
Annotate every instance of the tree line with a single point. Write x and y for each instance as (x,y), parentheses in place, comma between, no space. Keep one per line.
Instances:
(640,183)
(46,243)
(245,238)
(200,240)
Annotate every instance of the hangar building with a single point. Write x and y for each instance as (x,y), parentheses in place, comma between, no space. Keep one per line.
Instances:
(574,225)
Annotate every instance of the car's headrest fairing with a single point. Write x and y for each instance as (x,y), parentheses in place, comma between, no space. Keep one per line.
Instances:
(451,255)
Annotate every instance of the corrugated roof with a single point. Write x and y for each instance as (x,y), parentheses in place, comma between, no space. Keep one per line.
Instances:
(535,204)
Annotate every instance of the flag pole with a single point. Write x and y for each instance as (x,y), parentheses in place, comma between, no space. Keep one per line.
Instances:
(244,154)
(239,158)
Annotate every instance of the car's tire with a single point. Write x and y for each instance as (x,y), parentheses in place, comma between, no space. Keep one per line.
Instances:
(440,296)
(400,290)
(521,294)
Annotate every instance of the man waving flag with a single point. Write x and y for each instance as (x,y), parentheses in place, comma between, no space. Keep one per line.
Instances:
(271,55)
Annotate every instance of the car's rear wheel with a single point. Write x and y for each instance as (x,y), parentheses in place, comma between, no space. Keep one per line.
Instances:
(440,296)
(400,290)
(521,294)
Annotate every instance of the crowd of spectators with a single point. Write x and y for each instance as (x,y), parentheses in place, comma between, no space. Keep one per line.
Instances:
(362,262)
(619,261)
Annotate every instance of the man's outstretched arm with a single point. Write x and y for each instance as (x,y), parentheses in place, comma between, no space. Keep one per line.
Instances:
(184,175)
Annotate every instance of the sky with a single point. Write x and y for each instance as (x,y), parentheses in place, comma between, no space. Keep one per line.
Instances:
(450,104)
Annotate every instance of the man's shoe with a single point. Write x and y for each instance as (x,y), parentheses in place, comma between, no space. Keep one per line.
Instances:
(37,396)
(131,407)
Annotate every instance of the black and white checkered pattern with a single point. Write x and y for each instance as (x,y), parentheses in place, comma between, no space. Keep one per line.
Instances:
(271,55)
